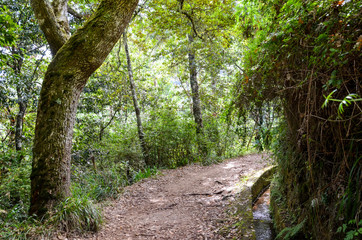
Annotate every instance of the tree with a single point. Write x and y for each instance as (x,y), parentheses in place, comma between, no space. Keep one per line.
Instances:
(195,30)
(141,134)
(76,57)
(196,105)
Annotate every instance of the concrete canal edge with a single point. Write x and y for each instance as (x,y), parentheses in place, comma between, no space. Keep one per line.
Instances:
(240,212)
(261,181)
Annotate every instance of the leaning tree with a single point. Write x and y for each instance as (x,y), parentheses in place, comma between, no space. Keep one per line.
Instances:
(75,58)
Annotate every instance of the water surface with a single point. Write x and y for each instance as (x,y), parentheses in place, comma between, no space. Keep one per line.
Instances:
(263,223)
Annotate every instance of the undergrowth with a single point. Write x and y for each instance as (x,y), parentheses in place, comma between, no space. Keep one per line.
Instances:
(146,173)
(76,214)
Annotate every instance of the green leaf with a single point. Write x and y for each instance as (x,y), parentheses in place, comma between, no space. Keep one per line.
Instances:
(328,98)
(333,50)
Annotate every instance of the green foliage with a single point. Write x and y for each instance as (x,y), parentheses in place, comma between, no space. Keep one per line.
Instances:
(77,214)
(274,48)
(146,173)
(291,232)
(350,98)
(351,229)
(298,52)
(15,186)
(171,140)
(19,230)
(100,185)
(8,33)
(14,196)
(348,205)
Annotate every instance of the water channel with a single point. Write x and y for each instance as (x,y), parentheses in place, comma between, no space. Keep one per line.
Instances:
(263,224)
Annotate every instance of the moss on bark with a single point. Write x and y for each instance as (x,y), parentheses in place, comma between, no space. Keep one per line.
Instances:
(64,80)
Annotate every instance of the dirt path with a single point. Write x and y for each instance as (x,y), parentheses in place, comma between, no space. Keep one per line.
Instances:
(184,203)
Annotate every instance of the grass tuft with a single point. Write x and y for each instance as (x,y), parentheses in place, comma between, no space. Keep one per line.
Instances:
(78,214)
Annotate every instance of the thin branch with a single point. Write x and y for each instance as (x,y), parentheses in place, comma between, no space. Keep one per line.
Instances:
(193,25)
(141,7)
(102,128)
(7,135)
(74,13)
(37,65)
(329,120)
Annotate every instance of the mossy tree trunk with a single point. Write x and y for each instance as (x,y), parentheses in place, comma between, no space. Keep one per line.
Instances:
(141,134)
(75,59)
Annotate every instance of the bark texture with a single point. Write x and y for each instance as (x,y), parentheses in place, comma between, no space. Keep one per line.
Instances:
(64,80)
(196,105)
(19,124)
(17,65)
(141,134)
(52,21)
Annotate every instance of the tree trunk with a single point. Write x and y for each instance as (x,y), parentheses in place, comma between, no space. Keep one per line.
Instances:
(19,124)
(64,80)
(141,134)
(17,65)
(195,88)
(196,105)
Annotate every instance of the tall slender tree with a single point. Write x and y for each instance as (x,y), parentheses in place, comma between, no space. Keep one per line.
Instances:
(141,134)
(196,103)
(196,106)
(76,57)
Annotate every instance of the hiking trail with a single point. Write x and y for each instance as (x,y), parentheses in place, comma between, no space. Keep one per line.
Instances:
(183,203)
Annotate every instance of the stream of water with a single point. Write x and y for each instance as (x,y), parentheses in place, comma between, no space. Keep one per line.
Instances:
(263,224)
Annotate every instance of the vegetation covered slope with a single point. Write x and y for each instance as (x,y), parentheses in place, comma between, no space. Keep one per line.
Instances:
(306,55)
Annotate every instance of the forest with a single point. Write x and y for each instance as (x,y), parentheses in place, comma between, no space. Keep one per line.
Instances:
(98,95)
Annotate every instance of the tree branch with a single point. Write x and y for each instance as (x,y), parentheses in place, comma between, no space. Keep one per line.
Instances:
(193,25)
(74,13)
(52,22)
(140,8)
(102,128)
(60,9)
(7,135)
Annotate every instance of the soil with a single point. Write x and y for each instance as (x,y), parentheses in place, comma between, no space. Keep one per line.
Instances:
(184,203)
